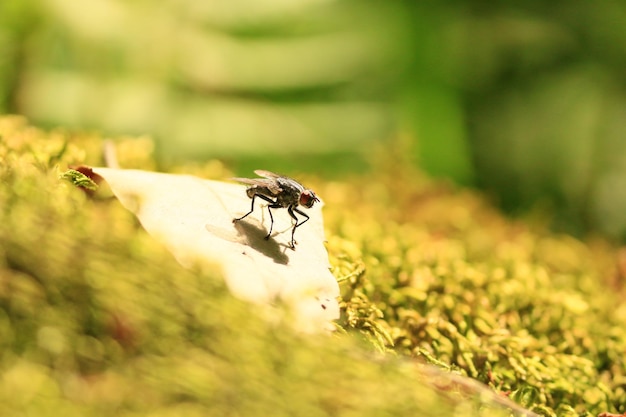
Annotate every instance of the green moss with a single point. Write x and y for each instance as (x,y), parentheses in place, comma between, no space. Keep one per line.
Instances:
(96,318)
(537,316)
(79,179)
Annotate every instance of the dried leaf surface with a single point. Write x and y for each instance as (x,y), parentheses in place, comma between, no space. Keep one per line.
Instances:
(193,218)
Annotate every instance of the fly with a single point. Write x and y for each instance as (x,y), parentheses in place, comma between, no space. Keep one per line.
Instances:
(280,192)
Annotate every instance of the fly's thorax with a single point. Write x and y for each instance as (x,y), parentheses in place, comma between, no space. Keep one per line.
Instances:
(290,192)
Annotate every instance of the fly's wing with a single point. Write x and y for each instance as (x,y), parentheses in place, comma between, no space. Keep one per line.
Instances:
(267,174)
(283,182)
(269,184)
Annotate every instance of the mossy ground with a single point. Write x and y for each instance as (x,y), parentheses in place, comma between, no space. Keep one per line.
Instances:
(537,316)
(96,318)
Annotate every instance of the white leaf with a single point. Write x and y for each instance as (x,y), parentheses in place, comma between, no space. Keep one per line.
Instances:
(193,217)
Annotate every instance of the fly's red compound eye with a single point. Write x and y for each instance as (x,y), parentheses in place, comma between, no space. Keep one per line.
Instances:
(307,198)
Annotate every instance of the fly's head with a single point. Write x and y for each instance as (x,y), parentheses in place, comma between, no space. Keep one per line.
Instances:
(308,198)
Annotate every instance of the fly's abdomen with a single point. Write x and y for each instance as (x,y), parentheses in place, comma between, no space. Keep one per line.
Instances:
(251,192)
(255,190)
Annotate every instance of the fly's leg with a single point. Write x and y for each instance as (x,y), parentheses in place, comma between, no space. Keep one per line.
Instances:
(271,206)
(269,200)
(291,210)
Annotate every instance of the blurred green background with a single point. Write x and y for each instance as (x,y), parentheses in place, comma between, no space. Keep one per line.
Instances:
(527,102)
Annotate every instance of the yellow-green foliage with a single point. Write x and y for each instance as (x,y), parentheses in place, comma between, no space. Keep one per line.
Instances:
(538,316)
(96,318)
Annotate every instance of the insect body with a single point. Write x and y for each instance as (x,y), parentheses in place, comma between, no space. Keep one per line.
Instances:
(280,192)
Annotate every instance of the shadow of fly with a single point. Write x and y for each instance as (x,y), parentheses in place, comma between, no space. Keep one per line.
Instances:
(279,192)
